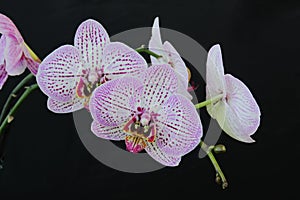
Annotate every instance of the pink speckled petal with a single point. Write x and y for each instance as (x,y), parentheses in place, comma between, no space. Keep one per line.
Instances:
(239,113)
(157,154)
(177,63)
(108,132)
(155,44)
(13,53)
(7,27)
(179,128)
(91,39)
(113,102)
(214,73)
(3,75)
(65,107)
(119,59)
(160,82)
(60,72)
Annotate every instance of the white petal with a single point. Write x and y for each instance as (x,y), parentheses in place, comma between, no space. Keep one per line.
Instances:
(119,60)
(157,154)
(60,72)
(65,107)
(108,132)
(238,114)
(91,39)
(214,73)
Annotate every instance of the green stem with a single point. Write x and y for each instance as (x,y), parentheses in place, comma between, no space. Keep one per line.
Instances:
(209,101)
(146,50)
(219,174)
(13,94)
(9,117)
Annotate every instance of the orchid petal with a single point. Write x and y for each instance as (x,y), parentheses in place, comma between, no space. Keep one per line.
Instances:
(91,39)
(119,59)
(160,82)
(177,63)
(215,73)
(13,54)
(113,102)
(108,132)
(179,127)
(60,72)
(7,27)
(157,154)
(30,64)
(3,75)
(65,107)
(155,43)
(2,48)
(239,115)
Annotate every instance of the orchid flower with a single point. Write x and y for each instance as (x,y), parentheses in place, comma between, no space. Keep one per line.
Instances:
(233,105)
(169,54)
(15,55)
(69,75)
(149,113)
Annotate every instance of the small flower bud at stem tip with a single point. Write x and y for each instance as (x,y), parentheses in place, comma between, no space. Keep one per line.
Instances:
(220,148)
(10,119)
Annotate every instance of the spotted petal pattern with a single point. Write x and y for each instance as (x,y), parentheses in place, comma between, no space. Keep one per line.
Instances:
(178,126)
(157,154)
(65,107)
(160,82)
(91,39)
(108,132)
(119,59)
(60,72)
(113,102)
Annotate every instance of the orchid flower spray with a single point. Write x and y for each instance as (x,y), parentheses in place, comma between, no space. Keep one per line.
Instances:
(147,107)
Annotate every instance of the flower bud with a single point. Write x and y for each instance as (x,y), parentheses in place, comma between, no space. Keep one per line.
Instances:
(220,148)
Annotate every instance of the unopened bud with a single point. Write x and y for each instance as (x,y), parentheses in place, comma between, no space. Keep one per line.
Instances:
(220,148)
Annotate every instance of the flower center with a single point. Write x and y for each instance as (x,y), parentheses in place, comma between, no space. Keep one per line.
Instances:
(90,80)
(140,129)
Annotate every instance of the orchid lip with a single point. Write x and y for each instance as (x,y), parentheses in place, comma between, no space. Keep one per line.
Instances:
(89,82)
(140,128)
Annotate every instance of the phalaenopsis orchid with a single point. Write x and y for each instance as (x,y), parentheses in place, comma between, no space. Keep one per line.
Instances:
(149,107)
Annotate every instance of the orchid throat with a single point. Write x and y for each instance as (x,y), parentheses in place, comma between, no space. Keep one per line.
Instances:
(140,128)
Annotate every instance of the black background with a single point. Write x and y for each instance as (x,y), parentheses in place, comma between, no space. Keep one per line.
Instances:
(260,42)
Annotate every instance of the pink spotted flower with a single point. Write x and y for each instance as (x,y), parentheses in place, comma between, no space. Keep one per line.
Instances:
(14,53)
(69,75)
(234,107)
(148,113)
